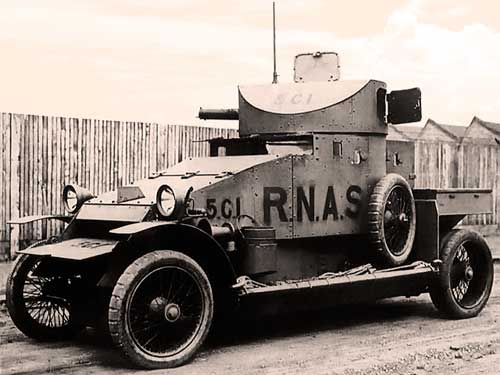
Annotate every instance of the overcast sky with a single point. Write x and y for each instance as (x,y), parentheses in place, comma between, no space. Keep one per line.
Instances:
(152,60)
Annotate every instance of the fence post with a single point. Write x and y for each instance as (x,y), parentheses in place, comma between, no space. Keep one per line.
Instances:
(15,124)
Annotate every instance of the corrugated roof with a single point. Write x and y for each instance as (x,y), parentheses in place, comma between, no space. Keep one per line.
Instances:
(410,131)
(457,130)
(454,131)
(395,134)
(494,127)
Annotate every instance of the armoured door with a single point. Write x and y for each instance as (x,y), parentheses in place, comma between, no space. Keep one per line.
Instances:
(331,187)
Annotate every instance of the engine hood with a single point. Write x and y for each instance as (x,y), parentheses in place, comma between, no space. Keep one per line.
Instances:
(193,172)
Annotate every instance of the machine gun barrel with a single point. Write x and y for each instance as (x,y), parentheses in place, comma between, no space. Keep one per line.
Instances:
(218,114)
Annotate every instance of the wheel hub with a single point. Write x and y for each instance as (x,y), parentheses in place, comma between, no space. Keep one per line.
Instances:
(469,273)
(56,288)
(172,312)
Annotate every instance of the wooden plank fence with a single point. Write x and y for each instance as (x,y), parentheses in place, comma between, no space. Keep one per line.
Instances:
(40,154)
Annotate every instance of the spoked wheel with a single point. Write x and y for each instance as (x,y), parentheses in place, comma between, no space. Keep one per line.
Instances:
(392,220)
(41,306)
(466,276)
(161,309)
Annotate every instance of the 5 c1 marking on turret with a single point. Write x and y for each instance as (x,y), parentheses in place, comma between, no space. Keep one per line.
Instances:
(276,197)
(298,98)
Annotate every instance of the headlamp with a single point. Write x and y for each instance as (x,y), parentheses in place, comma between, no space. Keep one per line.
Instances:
(74,197)
(166,202)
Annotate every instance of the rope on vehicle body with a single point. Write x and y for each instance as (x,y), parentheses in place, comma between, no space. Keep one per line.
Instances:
(415,265)
(247,283)
(366,268)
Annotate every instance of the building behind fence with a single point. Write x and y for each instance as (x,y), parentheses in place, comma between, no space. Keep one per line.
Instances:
(448,156)
(460,165)
(40,154)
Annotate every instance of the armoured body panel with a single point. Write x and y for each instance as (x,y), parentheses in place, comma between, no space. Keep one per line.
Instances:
(263,191)
(321,194)
(332,186)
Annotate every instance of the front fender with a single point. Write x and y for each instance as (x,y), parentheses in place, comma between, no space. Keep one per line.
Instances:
(31,219)
(74,248)
(185,238)
(137,228)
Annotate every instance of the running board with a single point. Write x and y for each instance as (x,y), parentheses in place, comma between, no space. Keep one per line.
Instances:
(407,280)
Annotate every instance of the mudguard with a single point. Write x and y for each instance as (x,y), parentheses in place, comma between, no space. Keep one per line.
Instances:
(74,248)
(30,219)
(137,228)
(182,237)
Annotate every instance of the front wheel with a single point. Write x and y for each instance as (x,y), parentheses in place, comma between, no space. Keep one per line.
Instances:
(161,309)
(466,276)
(41,306)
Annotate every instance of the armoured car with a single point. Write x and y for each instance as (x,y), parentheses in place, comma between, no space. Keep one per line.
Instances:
(310,203)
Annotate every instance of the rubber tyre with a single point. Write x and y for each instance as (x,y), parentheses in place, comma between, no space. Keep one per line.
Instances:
(17,308)
(123,293)
(441,292)
(376,217)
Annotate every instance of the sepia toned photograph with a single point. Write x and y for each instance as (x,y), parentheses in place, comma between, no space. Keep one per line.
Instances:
(249,187)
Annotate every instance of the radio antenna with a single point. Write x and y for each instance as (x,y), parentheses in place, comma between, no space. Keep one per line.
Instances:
(275,74)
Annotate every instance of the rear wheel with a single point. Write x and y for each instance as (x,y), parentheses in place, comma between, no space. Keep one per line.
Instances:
(392,220)
(161,309)
(41,306)
(466,275)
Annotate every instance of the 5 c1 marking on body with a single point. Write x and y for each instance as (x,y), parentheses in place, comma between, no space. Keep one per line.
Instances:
(225,208)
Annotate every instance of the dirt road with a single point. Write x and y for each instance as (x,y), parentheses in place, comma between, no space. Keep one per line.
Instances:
(397,336)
